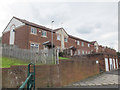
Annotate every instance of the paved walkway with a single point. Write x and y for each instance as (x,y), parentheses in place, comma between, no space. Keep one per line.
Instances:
(108,79)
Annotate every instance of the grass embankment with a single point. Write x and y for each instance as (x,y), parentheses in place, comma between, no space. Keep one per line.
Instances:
(63,58)
(6,62)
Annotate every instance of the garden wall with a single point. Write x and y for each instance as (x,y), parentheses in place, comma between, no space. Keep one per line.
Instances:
(67,72)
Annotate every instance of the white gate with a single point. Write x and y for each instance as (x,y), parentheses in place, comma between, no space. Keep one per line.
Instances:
(114,63)
(106,64)
(111,64)
(117,63)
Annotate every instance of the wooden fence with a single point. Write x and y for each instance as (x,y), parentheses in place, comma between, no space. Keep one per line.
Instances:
(41,56)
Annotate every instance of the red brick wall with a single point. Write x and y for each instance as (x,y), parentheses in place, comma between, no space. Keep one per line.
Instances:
(21,37)
(39,39)
(67,72)
(72,42)
(5,38)
(72,71)
(101,59)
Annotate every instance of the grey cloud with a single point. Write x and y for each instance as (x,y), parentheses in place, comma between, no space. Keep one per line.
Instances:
(85,30)
(87,20)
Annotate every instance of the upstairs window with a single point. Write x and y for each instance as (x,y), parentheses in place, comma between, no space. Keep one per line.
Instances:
(65,39)
(44,33)
(78,42)
(58,37)
(82,43)
(88,45)
(94,47)
(33,30)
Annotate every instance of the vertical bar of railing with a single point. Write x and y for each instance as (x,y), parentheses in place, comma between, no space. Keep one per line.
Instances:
(28,75)
(30,81)
(34,76)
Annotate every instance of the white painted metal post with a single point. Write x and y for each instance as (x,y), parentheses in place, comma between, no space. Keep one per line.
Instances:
(52,38)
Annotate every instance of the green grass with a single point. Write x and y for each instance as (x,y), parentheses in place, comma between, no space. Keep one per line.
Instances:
(63,58)
(6,62)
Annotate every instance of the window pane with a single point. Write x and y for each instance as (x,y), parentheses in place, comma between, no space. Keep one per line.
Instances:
(58,37)
(78,43)
(44,33)
(33,30)
(82,43)
(65,39)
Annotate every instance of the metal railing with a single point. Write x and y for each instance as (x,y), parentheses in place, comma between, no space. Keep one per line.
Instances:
(30,81)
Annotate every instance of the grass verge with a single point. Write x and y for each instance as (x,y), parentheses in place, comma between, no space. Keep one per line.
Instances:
(6,62)
(63,58)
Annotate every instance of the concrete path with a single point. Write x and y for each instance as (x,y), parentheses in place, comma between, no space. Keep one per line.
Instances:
(107,79)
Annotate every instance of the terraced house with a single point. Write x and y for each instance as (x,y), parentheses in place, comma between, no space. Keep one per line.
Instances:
(28,35)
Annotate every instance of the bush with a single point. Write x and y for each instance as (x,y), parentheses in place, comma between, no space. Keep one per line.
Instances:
(61,54)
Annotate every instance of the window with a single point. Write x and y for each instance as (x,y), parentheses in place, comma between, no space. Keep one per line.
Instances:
(34,46)
(88,45)
(58,37)
(44,33)
(78,42)
(78,52)
(65,39)
(82,43)
(33,30)
(94,47)
(82,51)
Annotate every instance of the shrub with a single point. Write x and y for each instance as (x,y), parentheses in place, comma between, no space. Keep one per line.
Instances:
(61,54)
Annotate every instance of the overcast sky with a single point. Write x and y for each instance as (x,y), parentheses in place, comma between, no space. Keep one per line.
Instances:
(86,20)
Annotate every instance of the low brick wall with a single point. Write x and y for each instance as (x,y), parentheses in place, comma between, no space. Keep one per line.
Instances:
(67,72)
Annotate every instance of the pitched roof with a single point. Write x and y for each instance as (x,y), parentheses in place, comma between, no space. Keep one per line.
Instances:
(55,30)
(93,42)
(33,24)
(48,29)
(71,35)
(78,39)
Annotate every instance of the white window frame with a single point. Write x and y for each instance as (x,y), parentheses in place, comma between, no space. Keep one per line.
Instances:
(33,30)
(88,45)
(78,42)
(58,37)
(43,34)
(66,39)
(34,45)
(82,43)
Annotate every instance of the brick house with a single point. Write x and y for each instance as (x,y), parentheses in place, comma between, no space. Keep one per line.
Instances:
(28,35)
